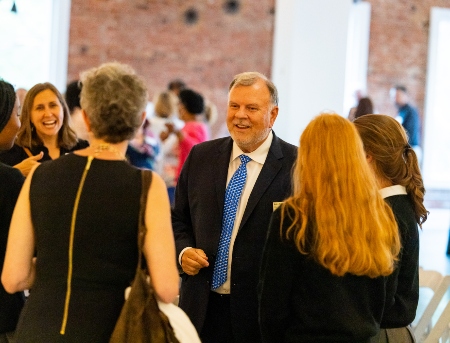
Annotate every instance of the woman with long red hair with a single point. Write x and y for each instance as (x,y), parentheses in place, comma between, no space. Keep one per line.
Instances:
(330,245)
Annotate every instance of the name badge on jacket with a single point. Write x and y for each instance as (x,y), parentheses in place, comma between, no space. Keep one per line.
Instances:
(276,205)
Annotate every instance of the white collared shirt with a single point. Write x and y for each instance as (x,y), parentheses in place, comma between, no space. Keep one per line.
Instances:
(392,190)
(253,169)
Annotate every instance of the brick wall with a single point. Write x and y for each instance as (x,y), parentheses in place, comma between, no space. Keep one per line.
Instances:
(398,49)
(154,37)
(205,42)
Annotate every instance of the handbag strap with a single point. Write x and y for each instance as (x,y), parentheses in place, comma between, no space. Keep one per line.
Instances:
(71,240)
(146,176)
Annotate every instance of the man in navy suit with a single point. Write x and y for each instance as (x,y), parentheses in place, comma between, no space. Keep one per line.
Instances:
(229,312)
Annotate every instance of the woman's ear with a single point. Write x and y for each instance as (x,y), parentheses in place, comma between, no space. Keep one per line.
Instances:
(86,120)
(369,158)
(143,116)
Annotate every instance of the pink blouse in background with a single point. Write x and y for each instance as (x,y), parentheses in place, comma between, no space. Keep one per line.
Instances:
(194,132)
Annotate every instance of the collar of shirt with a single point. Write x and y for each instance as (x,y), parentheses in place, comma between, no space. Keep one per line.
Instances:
(392,190)
(259,155)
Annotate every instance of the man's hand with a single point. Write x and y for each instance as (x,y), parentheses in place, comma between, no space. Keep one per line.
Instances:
(26,165)
(193,260)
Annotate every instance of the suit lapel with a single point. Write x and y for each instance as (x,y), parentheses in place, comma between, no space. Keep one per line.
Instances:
(270,169)
(221,172)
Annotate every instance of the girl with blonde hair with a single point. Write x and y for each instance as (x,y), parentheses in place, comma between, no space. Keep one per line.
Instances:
(330,245)
(396,169)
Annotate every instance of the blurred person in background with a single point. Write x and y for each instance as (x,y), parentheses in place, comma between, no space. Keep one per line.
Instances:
(143,149)
(21,93)
(364,107)
(168,158)
(72,97)
(408,116)
(194,131)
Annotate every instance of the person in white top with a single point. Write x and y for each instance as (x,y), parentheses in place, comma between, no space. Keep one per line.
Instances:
(166,162)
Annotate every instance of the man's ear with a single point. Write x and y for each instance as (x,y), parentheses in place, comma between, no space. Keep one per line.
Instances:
(273,115)
(143,116)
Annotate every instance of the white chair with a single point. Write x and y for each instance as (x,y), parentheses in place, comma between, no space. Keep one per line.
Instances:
(439,284)
(441,330)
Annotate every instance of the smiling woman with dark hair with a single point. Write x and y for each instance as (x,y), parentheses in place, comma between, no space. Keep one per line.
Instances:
(45,132)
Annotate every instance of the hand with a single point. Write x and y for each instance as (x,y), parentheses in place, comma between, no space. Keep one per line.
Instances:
(163,135)
(170,127)
(193,260)
(26,165)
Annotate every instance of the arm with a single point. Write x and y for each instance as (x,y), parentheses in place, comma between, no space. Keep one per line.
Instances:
(403,284)
(20,266)
(192,260)
(274,289)
(159,247)
(26,165)
(191,135)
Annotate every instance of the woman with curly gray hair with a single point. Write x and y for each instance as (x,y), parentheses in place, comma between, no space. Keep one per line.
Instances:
(87,252)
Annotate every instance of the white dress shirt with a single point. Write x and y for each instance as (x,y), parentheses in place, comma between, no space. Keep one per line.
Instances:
(253,169)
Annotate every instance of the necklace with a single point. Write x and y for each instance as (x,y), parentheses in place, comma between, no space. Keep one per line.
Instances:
(106,147)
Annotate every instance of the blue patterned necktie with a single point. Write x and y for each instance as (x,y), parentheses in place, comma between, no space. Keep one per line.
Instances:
(232,196)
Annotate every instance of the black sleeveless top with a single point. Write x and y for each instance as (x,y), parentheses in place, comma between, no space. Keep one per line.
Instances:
(104,249)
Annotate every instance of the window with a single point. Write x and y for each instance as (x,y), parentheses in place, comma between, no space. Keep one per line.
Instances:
(34,42)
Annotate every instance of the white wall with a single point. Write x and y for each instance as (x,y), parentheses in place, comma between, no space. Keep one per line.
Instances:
(436,158)
(357,53)
(309,67)
(59,49)
(35,42)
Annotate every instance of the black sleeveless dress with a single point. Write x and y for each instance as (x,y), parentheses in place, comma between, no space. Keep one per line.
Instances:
(104,253)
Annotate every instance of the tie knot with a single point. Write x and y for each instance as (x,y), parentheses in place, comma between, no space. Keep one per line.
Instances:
(244,159)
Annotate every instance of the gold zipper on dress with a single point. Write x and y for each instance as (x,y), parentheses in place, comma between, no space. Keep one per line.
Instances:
(72,234)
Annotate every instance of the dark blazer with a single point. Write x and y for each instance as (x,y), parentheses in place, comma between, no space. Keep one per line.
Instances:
(197,223)
(11,181)
(405,278)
